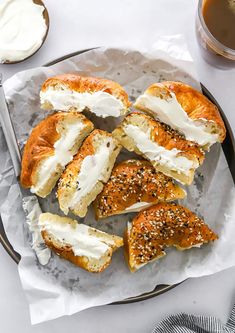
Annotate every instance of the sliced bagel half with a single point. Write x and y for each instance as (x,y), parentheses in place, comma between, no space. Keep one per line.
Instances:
(86,247)
(167,150)
(135,185)
(184,109)
(49,148)
(72,92)
(160,226)
(84,178)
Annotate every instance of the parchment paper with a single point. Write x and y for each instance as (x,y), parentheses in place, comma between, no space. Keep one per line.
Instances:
(61,288)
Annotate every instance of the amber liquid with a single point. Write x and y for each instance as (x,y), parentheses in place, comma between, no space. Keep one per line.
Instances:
(219,16)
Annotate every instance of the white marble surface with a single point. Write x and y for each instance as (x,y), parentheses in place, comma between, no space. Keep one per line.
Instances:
(75,25)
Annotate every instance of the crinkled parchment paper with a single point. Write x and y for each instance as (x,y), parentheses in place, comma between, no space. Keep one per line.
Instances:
(61,288)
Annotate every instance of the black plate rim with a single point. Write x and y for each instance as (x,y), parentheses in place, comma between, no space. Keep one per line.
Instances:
(229,150)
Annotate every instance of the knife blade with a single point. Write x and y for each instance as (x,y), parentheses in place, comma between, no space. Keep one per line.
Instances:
(9,132)
(30,202)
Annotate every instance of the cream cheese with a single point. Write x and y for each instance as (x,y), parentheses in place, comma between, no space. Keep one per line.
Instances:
(99,102)
(93,169)
(137,207)
(62,154)
(22,28)
(81,238)
(32,211)
(197,245)
(157,153)
(170,112)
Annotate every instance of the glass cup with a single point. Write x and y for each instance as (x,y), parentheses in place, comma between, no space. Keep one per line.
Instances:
(213,51)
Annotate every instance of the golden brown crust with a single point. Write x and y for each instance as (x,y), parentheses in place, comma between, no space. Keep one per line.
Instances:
(40,144)
(65,250)
(88,84)
(73,168)
(127,251)
(167,137)
(68,181)
(194,103)
(165,225)
(134,181)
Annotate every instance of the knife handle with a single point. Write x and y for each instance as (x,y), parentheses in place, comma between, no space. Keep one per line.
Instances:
(9,133)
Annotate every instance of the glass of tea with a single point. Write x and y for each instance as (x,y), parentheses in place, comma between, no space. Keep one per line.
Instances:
(215,30)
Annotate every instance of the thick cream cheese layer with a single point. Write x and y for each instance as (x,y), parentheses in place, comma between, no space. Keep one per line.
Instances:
(62,154)
(22,28)
(93,169)
(137,206)
(99,102)
(80,238)
(159,154)
(170,112)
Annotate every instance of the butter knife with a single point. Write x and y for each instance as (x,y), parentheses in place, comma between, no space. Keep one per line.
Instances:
(9,132)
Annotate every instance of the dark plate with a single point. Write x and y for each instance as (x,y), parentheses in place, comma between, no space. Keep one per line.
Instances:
(228,147)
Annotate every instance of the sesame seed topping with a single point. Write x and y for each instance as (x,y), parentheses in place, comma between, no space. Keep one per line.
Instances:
(164,225)
(132,182)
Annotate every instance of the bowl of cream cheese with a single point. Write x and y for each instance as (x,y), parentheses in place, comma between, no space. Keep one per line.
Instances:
(24,25)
